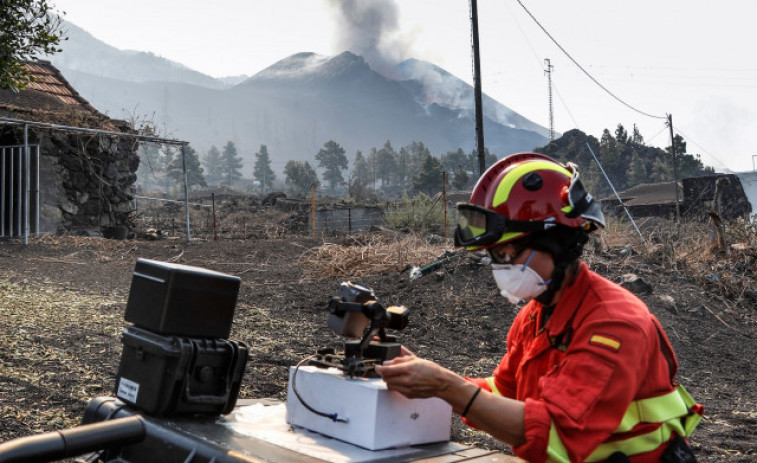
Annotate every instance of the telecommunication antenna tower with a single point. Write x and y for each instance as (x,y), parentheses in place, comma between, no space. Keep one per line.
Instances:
(548,71)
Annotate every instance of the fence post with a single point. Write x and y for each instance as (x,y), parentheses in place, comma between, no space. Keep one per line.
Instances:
(349,219)
(444,199)
(312,205)
(213,198)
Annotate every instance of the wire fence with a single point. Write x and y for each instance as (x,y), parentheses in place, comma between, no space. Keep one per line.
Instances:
(246,217)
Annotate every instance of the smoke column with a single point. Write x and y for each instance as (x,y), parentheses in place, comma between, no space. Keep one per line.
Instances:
(370,28)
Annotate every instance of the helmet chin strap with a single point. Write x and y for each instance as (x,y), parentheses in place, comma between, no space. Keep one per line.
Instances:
(565,246)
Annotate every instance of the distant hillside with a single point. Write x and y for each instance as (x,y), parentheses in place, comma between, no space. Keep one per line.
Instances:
(84,53)
(626,161)
(295,105)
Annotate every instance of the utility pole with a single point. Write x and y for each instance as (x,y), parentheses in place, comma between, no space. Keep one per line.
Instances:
(675,167)
(477,89)
(548,71)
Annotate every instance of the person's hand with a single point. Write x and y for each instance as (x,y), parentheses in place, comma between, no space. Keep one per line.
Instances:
(413,377)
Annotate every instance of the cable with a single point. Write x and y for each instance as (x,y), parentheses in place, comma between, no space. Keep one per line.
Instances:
(584,70)
(616,193)
(332,416)
(676,129)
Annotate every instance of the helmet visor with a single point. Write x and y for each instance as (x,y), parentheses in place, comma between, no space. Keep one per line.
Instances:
(478,226)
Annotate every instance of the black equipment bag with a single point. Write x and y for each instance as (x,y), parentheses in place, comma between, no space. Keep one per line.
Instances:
(166,375)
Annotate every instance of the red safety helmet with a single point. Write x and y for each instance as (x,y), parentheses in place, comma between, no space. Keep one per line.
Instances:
(521,194)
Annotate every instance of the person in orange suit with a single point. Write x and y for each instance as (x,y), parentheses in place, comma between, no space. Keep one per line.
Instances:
(588,373)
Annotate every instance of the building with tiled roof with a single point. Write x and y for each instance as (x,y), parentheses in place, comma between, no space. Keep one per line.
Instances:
(64,166)
(49,97)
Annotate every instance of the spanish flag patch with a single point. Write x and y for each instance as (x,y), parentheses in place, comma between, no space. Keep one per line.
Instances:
(605,340)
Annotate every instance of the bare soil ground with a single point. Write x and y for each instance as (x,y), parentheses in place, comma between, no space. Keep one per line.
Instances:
(62,301)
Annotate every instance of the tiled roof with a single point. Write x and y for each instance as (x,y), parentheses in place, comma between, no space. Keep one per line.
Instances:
(49,80)
(51,98)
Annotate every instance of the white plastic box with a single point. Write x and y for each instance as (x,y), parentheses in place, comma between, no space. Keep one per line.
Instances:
(377,418)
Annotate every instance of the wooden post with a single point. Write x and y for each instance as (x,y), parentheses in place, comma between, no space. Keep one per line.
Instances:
(444,201)
(312,205)
(477,89)
(215,233)
(675,167)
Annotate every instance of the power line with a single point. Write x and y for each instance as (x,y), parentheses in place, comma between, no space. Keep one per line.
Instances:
(584,70)
(689,139)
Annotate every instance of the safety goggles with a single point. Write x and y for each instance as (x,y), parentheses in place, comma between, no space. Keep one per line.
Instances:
(478,226)
(499,256)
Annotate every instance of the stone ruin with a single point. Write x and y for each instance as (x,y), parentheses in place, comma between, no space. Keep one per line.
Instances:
(86,182)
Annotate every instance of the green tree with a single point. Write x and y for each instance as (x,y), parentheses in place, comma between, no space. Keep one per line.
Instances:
(175,169)
(636,137)
(621,135)
(29,28)
(299,176)
(610,154)
(386,163)
(332,158)
(460,178)
(262,170)
(429,179)
(660,171)
(637,171)
(231,164)
(417,152)
(213,166)
(680,145)
(452,160)
(472,163)
(360,169)
(360,178)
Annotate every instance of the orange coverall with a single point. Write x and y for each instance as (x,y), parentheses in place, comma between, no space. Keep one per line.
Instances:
(600,350)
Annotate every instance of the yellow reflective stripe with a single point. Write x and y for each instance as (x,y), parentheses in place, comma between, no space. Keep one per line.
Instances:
(639,444)
(507,183)
(556,451)
(492,386)
(674,404)
(672,410)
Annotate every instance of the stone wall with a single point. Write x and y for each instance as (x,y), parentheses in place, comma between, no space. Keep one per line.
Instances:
(87,184)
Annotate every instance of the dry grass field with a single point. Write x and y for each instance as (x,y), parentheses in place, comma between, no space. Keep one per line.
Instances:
(62,301)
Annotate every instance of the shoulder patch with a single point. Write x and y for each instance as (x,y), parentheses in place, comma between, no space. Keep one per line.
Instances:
(606,341)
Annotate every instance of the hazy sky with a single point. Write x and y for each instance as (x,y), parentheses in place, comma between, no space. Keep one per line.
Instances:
(688,58)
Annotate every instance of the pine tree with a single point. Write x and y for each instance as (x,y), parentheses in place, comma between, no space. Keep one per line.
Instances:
(429,178)
(213,166)
(637,171)
(460,179)
(660,171)
(621,135)
(231,165)
(359,179)
(386,163)
(299,177)
(332,158)
(175,170)
(360,169)
(636,138)
(262,171)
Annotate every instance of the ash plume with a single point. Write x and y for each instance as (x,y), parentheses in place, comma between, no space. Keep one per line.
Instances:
(370,28)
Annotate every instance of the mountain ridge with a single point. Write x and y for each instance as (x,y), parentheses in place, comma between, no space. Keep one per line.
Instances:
(293,106)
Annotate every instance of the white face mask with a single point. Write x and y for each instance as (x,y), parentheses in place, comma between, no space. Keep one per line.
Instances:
(518,282)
